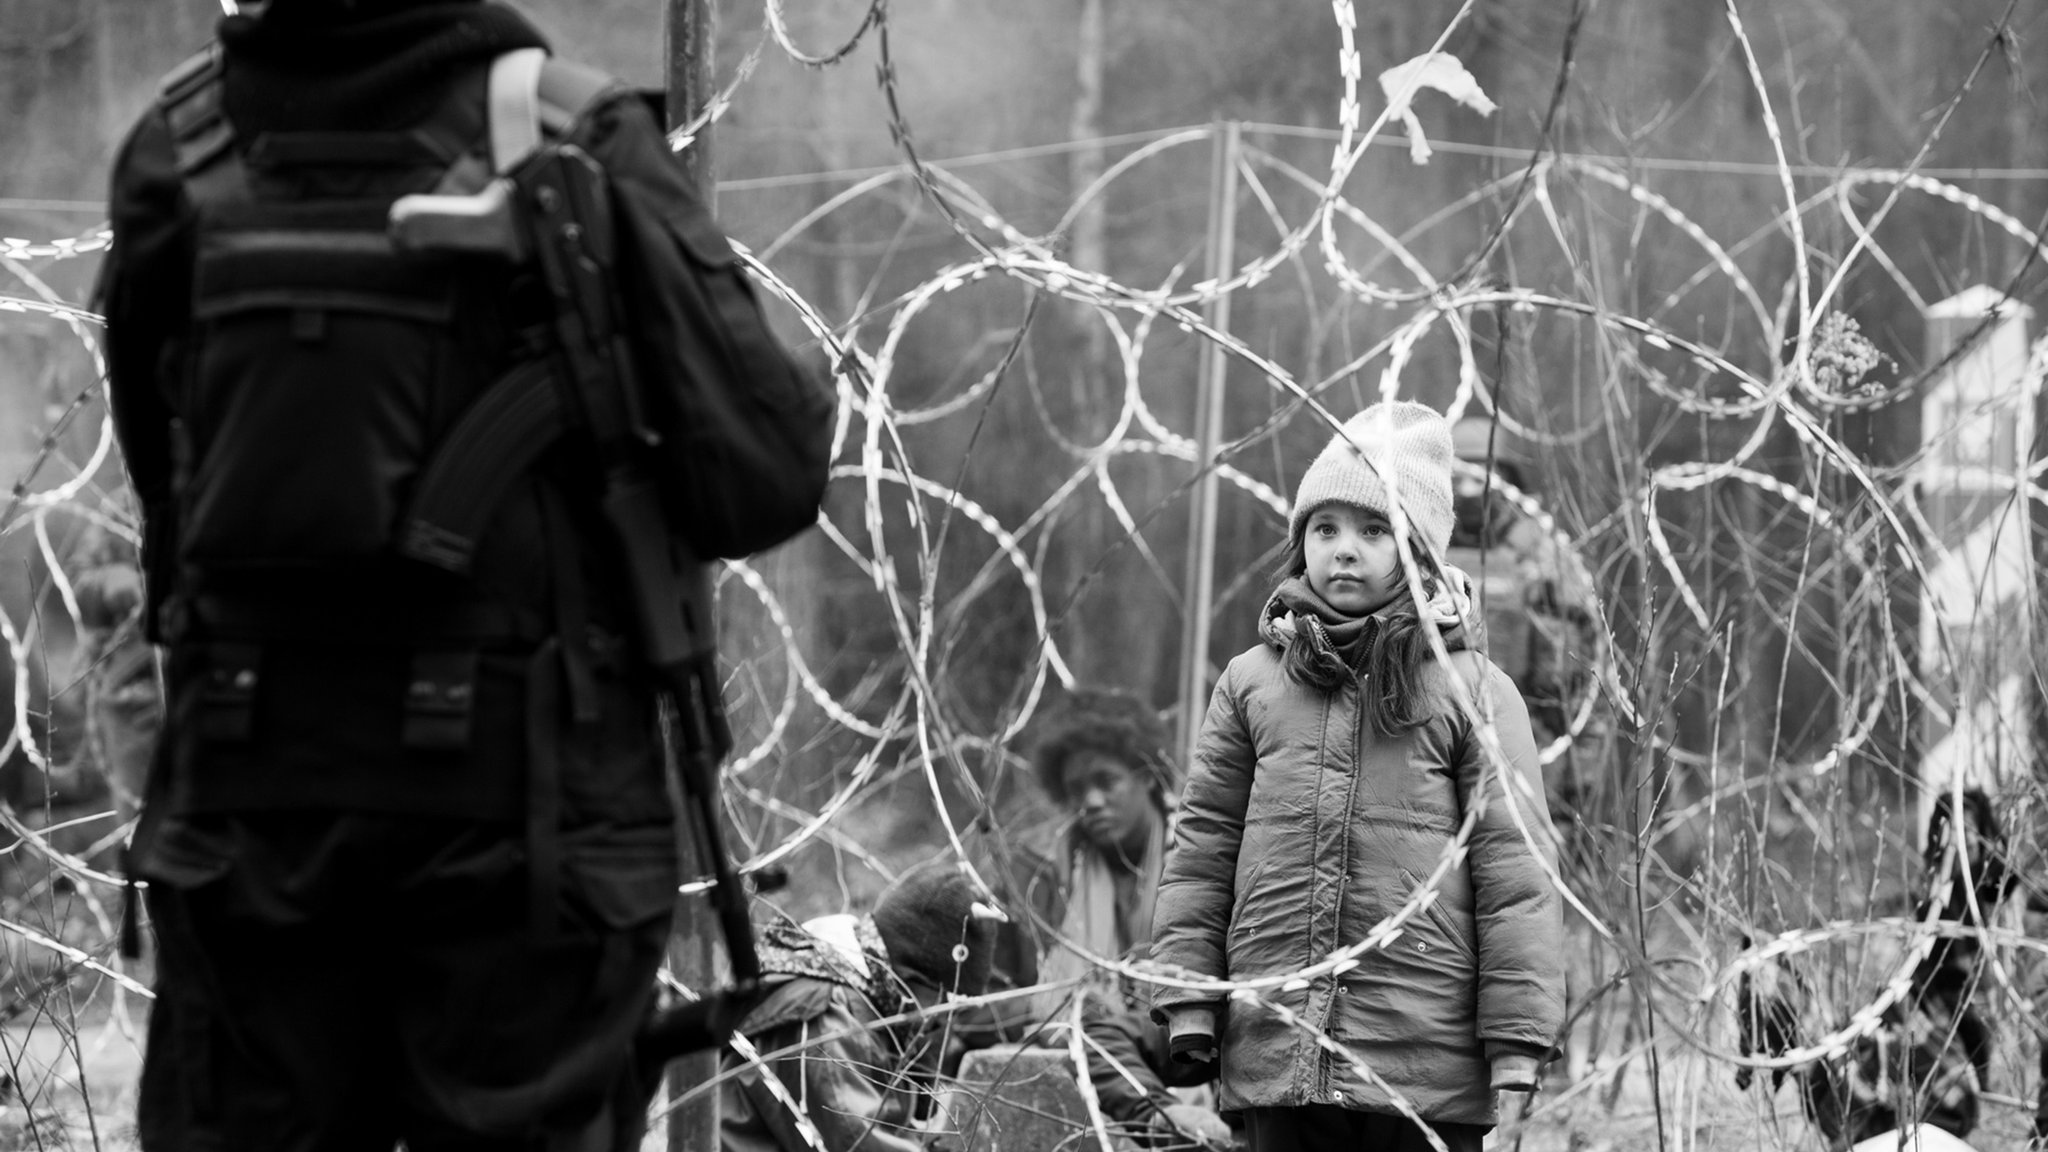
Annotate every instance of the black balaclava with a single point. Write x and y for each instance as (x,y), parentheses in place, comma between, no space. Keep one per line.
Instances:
(335,65)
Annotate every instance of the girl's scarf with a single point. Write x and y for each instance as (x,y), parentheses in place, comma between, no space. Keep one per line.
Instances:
(1297,614)
(1093,921)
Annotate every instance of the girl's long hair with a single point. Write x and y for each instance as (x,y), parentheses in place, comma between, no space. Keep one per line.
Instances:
(1394,659)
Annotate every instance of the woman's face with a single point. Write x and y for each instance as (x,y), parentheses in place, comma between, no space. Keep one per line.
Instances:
(1352,560)
(1110,800)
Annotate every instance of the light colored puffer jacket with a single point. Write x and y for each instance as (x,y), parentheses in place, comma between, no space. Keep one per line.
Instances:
(1301,829)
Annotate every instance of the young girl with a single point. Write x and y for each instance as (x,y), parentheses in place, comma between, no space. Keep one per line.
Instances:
(1333,770)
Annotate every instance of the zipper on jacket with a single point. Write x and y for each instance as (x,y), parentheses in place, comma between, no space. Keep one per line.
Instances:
(1311,1075)
(1344,853)
(1325,1066)
(1315,835)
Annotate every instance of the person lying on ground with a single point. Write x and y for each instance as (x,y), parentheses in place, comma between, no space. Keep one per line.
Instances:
(843,1023)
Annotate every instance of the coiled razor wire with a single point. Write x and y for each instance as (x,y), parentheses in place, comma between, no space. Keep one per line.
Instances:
(1887,535)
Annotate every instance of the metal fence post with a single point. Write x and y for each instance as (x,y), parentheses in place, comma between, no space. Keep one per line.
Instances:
(1200,585)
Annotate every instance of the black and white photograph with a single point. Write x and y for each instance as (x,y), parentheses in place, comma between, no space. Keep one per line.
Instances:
(1070,576)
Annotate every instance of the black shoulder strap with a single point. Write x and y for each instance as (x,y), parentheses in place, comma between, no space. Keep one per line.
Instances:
(190,98)
(535,97)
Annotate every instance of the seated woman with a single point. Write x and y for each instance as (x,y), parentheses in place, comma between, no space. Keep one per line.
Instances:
(1103,759)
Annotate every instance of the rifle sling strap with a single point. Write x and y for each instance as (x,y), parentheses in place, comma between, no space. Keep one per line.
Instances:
(515,107)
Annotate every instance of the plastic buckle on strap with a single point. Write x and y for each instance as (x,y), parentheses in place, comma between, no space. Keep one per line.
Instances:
(228,696)
(440,697)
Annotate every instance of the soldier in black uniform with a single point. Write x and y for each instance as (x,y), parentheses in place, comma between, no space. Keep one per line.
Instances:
(410,854)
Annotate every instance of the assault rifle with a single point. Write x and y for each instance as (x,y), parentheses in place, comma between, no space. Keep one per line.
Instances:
(555,208)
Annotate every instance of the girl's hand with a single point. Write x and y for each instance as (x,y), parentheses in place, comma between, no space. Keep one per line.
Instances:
(1191,1034)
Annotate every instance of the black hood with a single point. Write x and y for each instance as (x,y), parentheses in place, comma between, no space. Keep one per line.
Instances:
(331,65)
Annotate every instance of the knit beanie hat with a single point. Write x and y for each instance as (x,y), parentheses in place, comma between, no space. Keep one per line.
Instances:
(937,926)
(1409,440)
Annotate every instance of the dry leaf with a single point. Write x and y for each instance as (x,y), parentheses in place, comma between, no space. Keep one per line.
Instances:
(1441,71)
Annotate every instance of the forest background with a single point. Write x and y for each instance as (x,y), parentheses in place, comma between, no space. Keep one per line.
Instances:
(1638,167)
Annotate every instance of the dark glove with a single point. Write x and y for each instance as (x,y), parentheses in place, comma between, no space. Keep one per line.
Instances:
(1192,1048)
(1191,1034)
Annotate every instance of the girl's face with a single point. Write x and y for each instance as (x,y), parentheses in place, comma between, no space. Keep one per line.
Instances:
(1351,558)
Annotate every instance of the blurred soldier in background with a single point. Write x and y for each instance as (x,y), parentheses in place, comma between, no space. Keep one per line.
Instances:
(93,709)
(1541,626)
(435,381)
(60,785)
(123,700)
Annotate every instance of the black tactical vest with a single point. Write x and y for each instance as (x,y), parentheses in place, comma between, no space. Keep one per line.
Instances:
(312,663)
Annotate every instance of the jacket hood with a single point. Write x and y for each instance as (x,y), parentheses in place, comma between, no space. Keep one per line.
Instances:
(322,65)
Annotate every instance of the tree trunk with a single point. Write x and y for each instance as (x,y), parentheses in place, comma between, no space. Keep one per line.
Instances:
(1086,248)
(1088,532)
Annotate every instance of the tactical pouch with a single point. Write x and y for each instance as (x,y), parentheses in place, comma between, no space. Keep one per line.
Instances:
(440,698)
(309,725)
